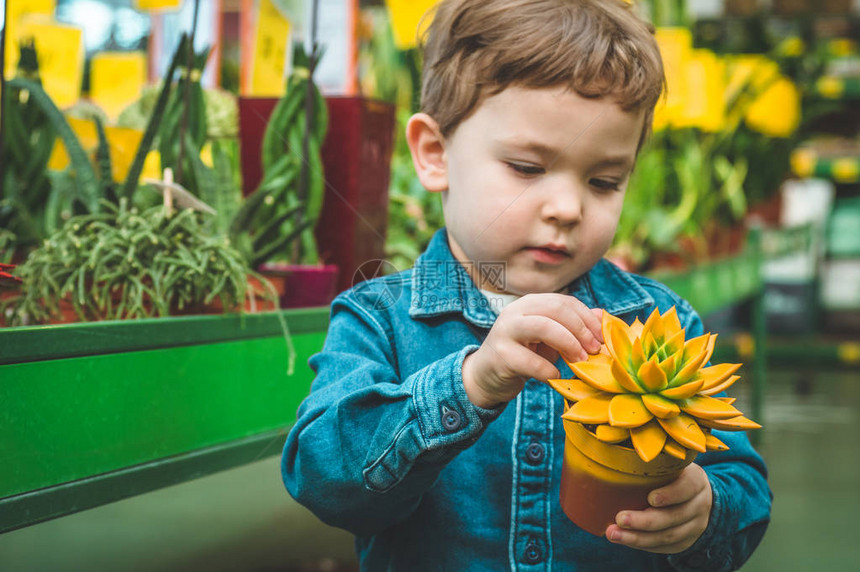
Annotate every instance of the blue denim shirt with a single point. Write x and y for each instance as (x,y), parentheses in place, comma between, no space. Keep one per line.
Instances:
(389,447)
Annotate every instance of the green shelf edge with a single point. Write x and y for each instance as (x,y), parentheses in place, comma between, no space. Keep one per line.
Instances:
(168,407)
(45,504)
(34,343)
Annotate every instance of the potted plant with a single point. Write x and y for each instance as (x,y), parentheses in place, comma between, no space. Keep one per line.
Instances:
(274,227)
(122,263)
(637,413)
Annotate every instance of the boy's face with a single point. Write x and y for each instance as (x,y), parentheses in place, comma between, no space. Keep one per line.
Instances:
(536,180)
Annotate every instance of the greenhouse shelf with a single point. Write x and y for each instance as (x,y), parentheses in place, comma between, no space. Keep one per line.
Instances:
(720,284)
(839,168)
(839,88)
(97,412)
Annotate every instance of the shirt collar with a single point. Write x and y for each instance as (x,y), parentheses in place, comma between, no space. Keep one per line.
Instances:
(441,285)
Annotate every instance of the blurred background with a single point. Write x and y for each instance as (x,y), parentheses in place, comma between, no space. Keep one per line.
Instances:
(746,200)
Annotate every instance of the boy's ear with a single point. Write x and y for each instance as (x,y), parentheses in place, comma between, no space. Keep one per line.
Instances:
(428,152)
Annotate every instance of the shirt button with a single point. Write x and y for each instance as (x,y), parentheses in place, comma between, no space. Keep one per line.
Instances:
(450,419)
(534,453)
(533,553)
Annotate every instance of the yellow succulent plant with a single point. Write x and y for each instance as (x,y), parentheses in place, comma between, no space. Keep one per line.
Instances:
(648,384)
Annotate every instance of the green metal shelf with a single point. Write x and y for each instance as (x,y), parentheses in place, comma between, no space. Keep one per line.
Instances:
(96,412)
(805,162)
(838,88)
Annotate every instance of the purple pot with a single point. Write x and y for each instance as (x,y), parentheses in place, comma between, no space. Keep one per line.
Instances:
(302,286)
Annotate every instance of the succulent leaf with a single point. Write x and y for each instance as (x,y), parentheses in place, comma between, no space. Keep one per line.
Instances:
(651,377)
(675,345)
(627,410)
(669,365)
(610,434)
(615,336)
(721,387)
(648,440)
(683,391)
(654,326)
(597,374)
(594,409)
(684,429)
(671,323)
(675,449)
(714,444)
(623,377)
(739,423)
(660,406)
(706,407)
(716,374)
(572,389)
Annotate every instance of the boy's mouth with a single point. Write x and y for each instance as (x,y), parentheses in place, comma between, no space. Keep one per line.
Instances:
(549,253)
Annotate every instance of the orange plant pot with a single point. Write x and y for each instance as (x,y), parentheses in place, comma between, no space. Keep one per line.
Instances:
(600,479)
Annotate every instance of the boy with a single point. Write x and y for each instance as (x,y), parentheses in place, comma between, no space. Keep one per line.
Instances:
(428,433)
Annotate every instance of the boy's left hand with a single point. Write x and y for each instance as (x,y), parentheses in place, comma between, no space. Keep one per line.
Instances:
(677,517)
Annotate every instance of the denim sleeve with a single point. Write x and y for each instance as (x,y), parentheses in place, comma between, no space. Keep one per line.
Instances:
(367,444)
(741,501)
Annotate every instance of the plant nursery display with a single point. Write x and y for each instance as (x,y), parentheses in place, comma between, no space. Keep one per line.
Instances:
(285,207)
(637,413)
(122,263)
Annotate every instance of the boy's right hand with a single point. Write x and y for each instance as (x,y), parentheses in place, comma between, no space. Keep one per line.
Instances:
(526,339)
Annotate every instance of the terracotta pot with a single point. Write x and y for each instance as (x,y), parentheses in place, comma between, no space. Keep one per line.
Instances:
(301,286)
(600,479)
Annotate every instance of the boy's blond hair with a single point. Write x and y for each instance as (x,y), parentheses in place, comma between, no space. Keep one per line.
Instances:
(476,48)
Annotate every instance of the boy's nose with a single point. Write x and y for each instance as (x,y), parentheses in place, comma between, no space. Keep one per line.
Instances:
(563,207)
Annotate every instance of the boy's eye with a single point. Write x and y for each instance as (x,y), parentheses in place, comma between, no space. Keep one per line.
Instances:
(605,184)
(525,169)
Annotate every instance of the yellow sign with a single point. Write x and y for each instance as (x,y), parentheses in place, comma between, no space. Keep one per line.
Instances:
(122,141)
(60,49)
(17,9)
(676,45)
(705,91)
(157,4)
(116,79)
(406,17)
(270,52)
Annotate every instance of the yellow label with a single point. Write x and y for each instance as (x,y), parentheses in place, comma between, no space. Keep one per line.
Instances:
(676,48)
(60,49)
(17,9)
(845,170)
(116,80)
(704,105)
(406,17)
(776,111)
(271,50)
(157,4)
(803,162)
(849,353)
(829,86)
(122,142)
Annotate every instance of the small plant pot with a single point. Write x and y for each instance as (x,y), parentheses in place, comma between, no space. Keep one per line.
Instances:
(600,479)
(302,286)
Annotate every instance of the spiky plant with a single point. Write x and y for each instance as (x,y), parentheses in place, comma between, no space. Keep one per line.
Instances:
(649,385)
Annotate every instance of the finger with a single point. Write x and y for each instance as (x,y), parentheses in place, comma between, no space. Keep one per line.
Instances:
(654,519)
(526,363)
(541,329)
(668,541)
(691,482)
(570,313)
